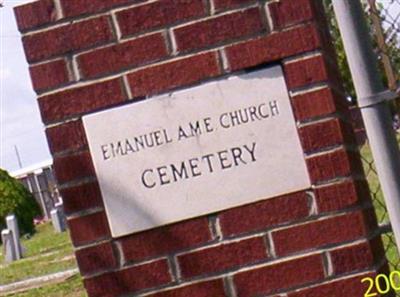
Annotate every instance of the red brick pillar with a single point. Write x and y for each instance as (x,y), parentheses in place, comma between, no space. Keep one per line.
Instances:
(90,55)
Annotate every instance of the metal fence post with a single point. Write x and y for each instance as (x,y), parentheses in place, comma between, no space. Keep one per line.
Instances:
(371,100)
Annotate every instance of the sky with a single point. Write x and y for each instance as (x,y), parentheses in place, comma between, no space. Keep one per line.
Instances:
(20,123)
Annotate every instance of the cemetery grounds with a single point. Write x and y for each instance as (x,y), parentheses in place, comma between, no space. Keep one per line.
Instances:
(48,252)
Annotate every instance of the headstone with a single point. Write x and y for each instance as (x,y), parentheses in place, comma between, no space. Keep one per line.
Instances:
(12,225)
(8,246)
(60,206)
(57,220)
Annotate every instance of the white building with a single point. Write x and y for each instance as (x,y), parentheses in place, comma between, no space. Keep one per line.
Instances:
(39,180)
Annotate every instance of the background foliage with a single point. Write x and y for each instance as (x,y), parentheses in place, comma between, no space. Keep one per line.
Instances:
(392,43)
(16,199)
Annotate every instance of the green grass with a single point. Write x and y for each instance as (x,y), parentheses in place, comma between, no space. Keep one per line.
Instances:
(46,240)
(70,288)
(45,253)
(374,185)
(380,207)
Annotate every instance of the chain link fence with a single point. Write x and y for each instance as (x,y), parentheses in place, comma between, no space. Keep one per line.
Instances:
(384,19)
(389,242)
(384,22)
(391,250)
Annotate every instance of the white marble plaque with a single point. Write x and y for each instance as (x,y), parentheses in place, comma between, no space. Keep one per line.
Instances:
(193,152)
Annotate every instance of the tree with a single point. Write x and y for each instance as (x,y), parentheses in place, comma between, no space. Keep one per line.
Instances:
(16,199)
(393,49)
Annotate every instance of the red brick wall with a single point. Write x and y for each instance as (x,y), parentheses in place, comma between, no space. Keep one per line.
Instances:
(90,55)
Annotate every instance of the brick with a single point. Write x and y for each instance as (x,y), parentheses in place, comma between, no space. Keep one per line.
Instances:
(227,4)
(96,258)
(347,287)
(321,135)
(305,72)
(129,280)
(89,228)
(218,30)
(319,233)
(68,136)
(49,75)
(105,285)
(73,8)
(123,55)
(338,163)
(82,197)
(73,167)
(35,14)
(361,137)
(356,118)
(81,100)
(68,38)
(264,214)
(268,279)
(273,47)
(352,258)
(166,240)
(223,257)
(146,276)
(370,219)
(178,73)
(287,12)
(213,288)
(163,13)
(317,103)
(341,195)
